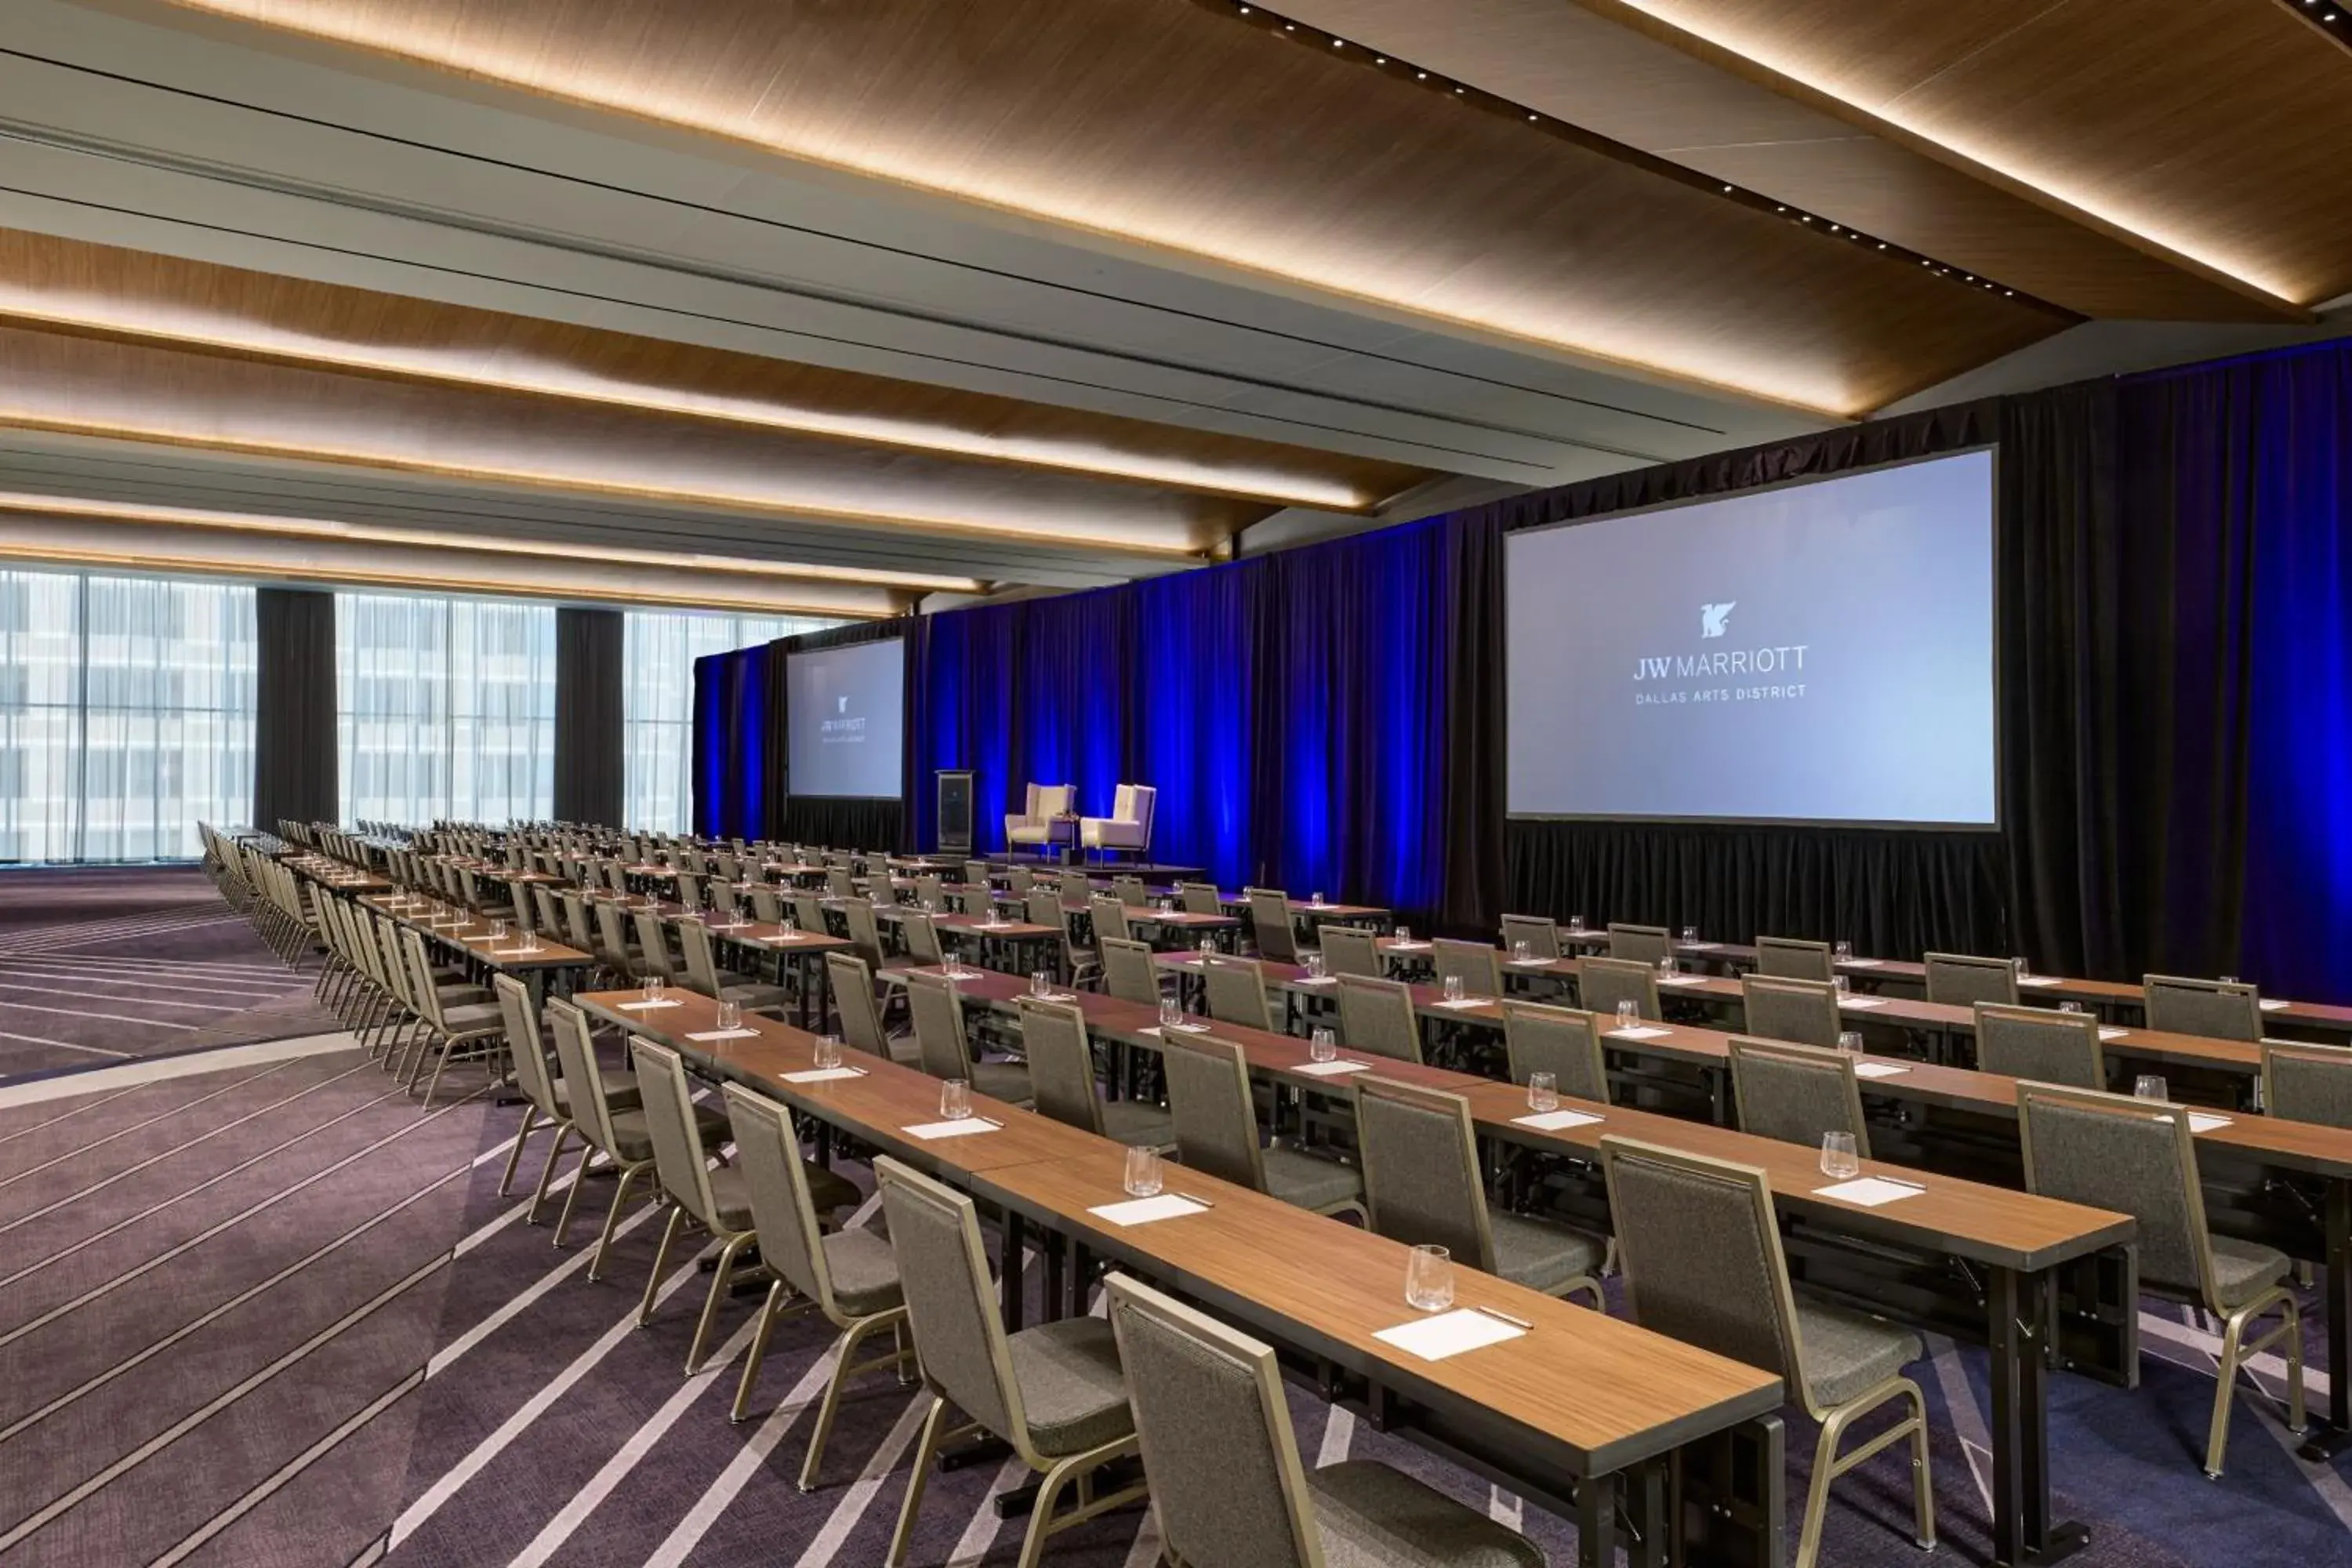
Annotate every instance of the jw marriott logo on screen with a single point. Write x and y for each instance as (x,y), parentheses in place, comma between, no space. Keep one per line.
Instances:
(1779,660)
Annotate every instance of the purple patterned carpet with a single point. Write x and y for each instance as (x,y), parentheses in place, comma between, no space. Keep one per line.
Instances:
(101,965)
(275,1315)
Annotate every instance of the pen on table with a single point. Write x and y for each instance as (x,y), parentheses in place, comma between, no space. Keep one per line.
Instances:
(1503,1317)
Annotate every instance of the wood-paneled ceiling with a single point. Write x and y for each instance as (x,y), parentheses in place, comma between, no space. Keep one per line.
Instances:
(1061,291)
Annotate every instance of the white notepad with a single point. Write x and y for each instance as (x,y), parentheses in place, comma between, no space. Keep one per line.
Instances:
(1555,1120)
(1179,1028)
(1055,997)
(1870,1191)
(724,1034)
(2039,980)
(2204,1122)
(1878,1069)
(1861,962)
(644,1007)
(822,1075)
(1463,1002)
(1334,1069)
(1526,963)
(1639,1032)
(1410,946)
(1700,946)
(2273,1005)
(2111,1031)
(1449,1334)
(1312,979)
(961,1127)
(1680,979)
(1143,1211)
(788,936)
(1862,1001)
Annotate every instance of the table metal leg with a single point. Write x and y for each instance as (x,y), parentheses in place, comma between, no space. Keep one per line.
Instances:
(1596,1521)
(2326,1442)
(2017,1305)
(1010,1267)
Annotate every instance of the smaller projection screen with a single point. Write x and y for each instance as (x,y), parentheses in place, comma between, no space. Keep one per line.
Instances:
(845,719)
(1819,652)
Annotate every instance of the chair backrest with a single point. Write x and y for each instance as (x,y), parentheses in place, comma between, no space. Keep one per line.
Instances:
(612,934)
(1351,950)
(583,1085)
(689,889)
(1541,935)
(702,962)
(852,985)
(1209,1101)
(1472,963)
(1129,971)
(2038,1043)
(920,932)
(1214,1427)
(578,931)
(1602,983)
(808,912)
(1043,905)
(1805,1011)
(1420,1157)
(526,1045)
(1236,989)
(1562,1041)
(1639,944)
(1377,1017)
(1142,805)
(668,1102)
(2216,1009)
(1128,890)
(550,920)
(1701,1253)
(939,1026)
(423,993)
(768,1152)
(2308,1083)
(1054,800)
(1269,911)
(931,891)
(1110,916)
(838,883)
(1201,898)
(1795,1093)
(950,1304)
(654,955)
(2133,1156)
(1019,881)
(1959,980)
(865,932)
(767,904)
(1061,1063)
(1789,959)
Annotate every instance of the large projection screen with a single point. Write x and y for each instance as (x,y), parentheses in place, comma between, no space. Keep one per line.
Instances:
(1818,652)
(845,719)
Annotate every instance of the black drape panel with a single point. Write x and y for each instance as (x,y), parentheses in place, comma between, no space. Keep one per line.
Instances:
(1476,886)
(294,707)
(819,819)
(590,756)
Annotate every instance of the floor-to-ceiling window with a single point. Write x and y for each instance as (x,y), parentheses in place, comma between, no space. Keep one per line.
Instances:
(126,714)
(658,708)
(444,708)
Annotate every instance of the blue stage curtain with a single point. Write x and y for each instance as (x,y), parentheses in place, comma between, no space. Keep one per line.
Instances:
(1195,721)
(731,741)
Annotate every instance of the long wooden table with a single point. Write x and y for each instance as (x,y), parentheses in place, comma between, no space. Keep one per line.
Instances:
(1582,1412)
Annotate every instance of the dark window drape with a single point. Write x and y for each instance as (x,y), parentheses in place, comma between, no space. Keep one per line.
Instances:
(294,749)
(730,750)
(590,752)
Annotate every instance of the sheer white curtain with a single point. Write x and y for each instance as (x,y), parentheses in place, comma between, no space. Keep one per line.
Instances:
(126,714)
(444,708)
(657,703)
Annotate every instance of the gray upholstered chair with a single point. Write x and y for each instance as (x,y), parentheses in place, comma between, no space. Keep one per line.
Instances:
(1377,1018)
(1422,1186)
(653,947)
(1270,917)
(808,912)
(2308,1083)
(624,1137)
(1061,1073)
(1805,1011)
(865,938)
(1352,949)
(920,932)
(1703,1262)
(1795,1093)
(1128,890)
(849,1275)
(1789,959)
(1236,992)
(1602,983)
(2137,1157)
(1201,898)
(1562,1041)
(1052,1392)
(1541,935)
(931,891)
(1960,980)
(1216,1129)
(1639,944)
(2040,1044)
(838,883)
(1110,916)
(1472,963)
(614,947)
(852,985)
(946,1051)
(768,905)
(545,1103)
(451,1028)
(1129,973)
(703,974)
(1226,1482)
(2216,1009)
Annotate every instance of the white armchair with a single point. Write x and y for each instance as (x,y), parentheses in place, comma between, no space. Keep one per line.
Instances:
(1035,826)
(1129,826)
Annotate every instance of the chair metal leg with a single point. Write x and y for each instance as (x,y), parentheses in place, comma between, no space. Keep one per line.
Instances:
(571,1198)
(661,1263)
(845,1367)
(1041,1514)
(514,1157)
(612,1219)
(719,1279)
(924,1445)
(768,1310)
(547,1173)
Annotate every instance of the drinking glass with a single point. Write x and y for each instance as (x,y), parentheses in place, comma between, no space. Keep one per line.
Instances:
(2148,1085)
(1839,1160)
(2070,1006)
(1206,949)
(1315,967)
(790,923)
(1666,967)
(1429,1279)
(1316,901)
(531,942)
(955,1100)
(498,931)
(828,1052)
(1628,1014)
(2228,980)
(1171,1012)
(1038,985)
(731,1014)
(1454,988)
(2024,970)
(653,987)
(1543,1091)
(1142,1172)
(930,906)
(1843,951)
(1841,983)
(1323,1045)
(1850,1042)
(1690,935)
(1576,923)
(1522,953)
(1403,935)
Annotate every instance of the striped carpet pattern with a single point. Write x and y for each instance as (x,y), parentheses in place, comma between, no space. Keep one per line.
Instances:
(274,1315)
(105,965)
